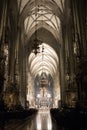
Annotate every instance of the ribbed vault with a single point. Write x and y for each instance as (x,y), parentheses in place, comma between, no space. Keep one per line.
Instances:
(49,4)
(38,15)
(45,62)
(41,13)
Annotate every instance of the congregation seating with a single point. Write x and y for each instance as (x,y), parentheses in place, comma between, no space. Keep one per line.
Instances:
(16,114)
(70,118)
(6,116)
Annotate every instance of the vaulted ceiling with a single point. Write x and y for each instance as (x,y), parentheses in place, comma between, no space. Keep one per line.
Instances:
(45,62)
(47,14)
(23,3)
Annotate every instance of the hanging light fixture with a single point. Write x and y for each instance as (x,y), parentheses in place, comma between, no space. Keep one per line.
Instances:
(36,41)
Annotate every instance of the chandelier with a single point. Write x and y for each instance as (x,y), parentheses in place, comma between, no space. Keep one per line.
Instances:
(36,42)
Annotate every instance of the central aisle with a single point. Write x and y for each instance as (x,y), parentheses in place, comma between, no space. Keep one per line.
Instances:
(42,121)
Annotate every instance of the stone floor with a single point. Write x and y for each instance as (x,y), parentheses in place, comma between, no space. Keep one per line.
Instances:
(41,121)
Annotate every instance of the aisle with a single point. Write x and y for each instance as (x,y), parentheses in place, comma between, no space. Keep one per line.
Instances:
(42,121)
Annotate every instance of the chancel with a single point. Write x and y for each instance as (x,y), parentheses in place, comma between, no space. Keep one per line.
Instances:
(43,64)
